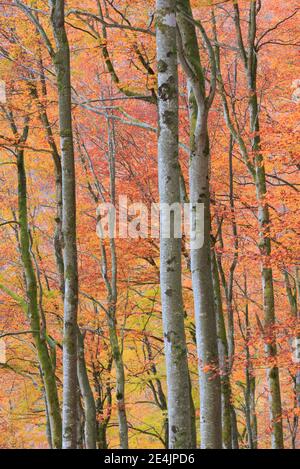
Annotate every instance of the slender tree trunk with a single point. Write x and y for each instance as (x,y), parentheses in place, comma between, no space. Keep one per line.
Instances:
(120,378)
(297,351)
(39,335)
(48,427)
(293,301)
(179,412)
(112,301)
(223,360)
(251,419)
(101,438)
(62,66)
(83,381)
(87,397)
(104,396)
(110,277)
(264,245)
(193,418)
(227,284)
(80,421)
(250,398)
(58,235)
(249,58)
(292,294)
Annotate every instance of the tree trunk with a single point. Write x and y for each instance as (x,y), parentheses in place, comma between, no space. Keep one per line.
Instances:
(249,57)
(87,397)
(223,360)
(83,381)
(250,399)
(39,335)
(265,250)
(120,378)
(179,412)
(62,66)
(205,318)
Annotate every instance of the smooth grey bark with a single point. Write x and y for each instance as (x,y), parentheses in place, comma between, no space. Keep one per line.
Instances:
(61,60)
(135,95)
(179,411)
(205,317)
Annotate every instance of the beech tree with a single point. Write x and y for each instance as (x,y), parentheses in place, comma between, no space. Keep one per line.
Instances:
(206,332)
(170,248)
(256,168)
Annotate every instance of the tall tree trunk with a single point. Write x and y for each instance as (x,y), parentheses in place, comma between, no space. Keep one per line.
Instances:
(83,380)
(120,378)
(112,295)
(110,277)
(116,348)
(205,318)
(89,406)
(227,284)
(292,294)
(264,239)
(58,235)
(179,412)
(39,334)
(250,398)
(61,60)
(149,99)
(249,58)
(223,360)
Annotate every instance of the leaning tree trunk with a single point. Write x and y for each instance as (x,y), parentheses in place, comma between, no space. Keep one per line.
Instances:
(170,248)
(61,60)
